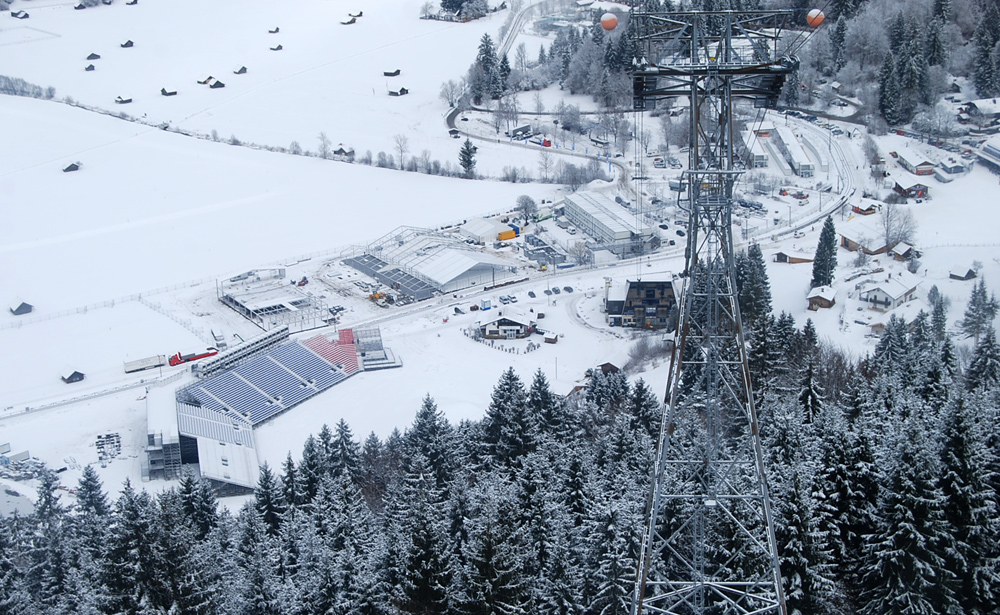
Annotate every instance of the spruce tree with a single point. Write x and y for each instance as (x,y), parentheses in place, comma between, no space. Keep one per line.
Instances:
(970,510)
(981,311)
(509,429)
(754,288)
(825,262)
(904,570)
(467,158)
(984,369)
(268,500)
(344,452)
(889,92)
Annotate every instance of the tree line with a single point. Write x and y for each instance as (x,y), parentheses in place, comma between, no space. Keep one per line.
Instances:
(883,470)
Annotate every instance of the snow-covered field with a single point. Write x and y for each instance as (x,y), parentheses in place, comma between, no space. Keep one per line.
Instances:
(160,215)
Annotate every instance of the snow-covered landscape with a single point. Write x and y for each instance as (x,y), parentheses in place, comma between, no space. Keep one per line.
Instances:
(176,196)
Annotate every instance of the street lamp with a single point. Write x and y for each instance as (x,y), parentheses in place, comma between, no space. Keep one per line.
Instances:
(789,215)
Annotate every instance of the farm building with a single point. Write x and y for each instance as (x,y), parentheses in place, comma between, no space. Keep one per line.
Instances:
(73,166)
(19,14)
(822,297)
(903,251)
(93,56)
(20,308)
(611,226)
(399,92)
(205,79)
(128,44)
(862,234)
(915,162)
(121,100)
(166,92)
(240,70)
(344,153)
(511,323)
(391,73)
(216,84)
(890,292)
(963,274)
(792,259)
(71,375)
(641,303)
(277,48)
(89,67)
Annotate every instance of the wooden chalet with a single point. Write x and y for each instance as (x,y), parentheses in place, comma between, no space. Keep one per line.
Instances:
(399,92)
(241,70)
(93,56)
(128,44)
(73,166)
(204,79)
(394,73)
(822,297)
(274,31)
(90,67)
(791,259)
(349,21)
(19,14)
(916,191)
(360,13)
(122,101)
(277,48)
(166,92)
(216,84)
(132,2)
(79,7)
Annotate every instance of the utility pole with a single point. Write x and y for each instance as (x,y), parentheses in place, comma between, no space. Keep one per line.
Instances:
(709,544)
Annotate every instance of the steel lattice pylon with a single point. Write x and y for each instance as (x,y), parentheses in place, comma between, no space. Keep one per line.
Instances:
(709,544)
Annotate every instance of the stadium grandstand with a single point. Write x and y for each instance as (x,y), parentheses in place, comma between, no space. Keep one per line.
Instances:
(210,421)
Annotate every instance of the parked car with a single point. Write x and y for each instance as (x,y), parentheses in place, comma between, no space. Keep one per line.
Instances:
(556,290)
(531,294)
(680,232)
(568,289)
(504,300)
(547,291)
(512,298)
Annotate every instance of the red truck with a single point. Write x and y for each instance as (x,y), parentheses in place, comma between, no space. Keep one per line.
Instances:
(179,358)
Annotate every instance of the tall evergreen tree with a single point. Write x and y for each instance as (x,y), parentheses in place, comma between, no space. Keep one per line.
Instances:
(889,92)
(268,501)
(904,566)
(509,429)
(825,261)
(984,369)
(981,311)
(971,511)
(754,287)
(467,158)
(344,453)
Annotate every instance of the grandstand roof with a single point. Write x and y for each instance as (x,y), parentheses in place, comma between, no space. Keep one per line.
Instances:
(449,264)
(161,413)
(199,422)
(227,462)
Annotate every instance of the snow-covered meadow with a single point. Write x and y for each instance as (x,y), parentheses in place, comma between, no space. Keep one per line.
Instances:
(152,210)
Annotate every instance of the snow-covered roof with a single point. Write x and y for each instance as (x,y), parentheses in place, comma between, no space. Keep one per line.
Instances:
(823,292)
(987,106)
(913,159)
(895,285)
(482,227)
(512,312)
(908,311)
(450,264)
(227,462)
(161,413)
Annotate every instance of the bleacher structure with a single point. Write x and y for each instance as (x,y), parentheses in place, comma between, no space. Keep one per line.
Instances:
(243,388)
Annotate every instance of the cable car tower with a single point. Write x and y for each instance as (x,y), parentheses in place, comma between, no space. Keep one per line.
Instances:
(709,545)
